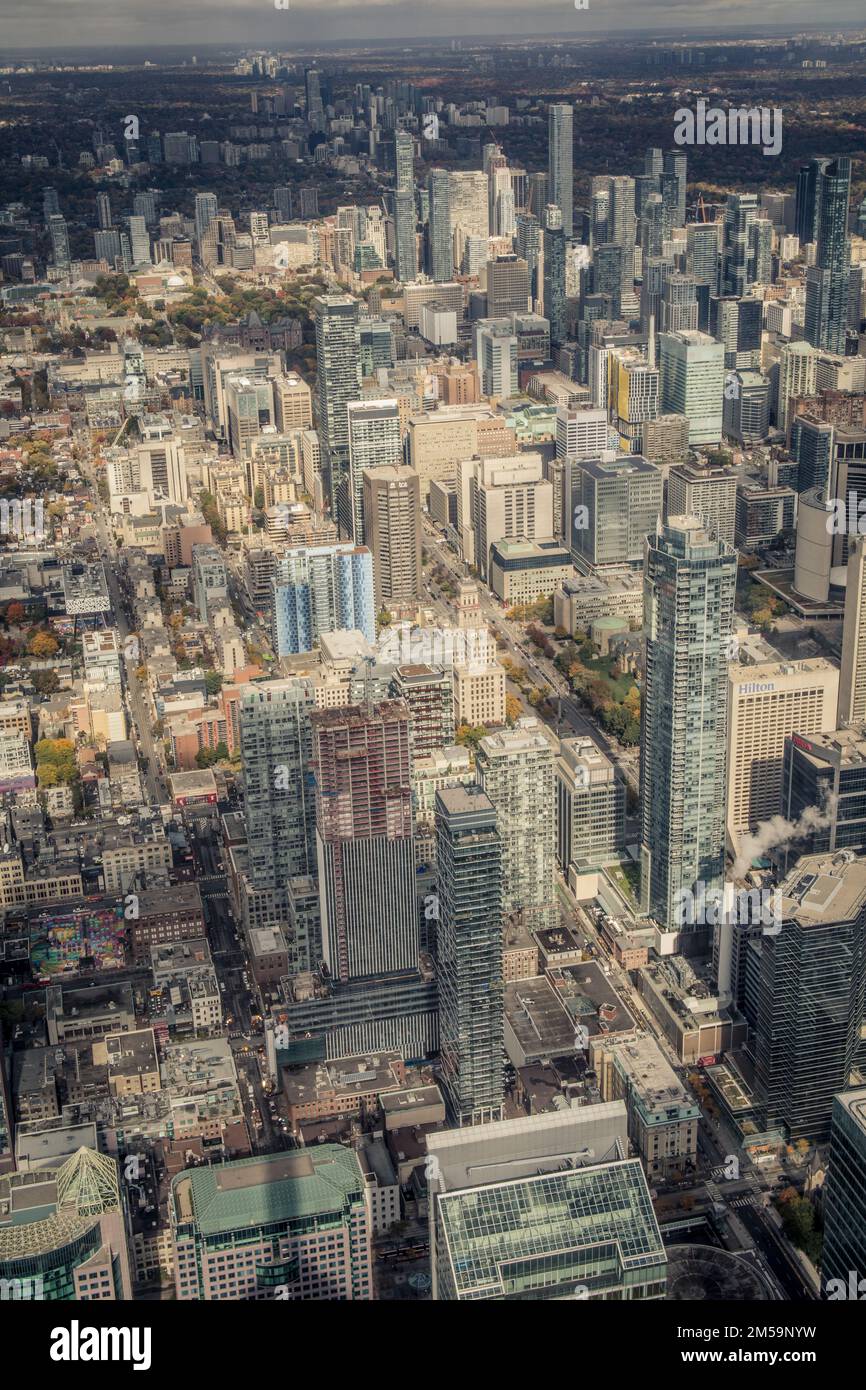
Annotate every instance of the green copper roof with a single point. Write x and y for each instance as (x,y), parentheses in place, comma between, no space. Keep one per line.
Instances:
(319,1181)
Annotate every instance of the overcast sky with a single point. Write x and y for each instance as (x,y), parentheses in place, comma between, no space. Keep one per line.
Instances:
(98,23)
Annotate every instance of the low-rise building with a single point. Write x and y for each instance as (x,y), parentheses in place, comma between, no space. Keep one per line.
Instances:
(662,1117)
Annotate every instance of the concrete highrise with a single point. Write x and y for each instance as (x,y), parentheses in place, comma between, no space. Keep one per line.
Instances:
(709,493)
(591,801)
(364,838)
(689,584)
(770,701)
(796,377)
(515,769)
(320,589)
(392,525)
(375,441)
(507,286)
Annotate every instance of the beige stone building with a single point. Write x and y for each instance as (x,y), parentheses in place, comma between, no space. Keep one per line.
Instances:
(768,702)
(479,694)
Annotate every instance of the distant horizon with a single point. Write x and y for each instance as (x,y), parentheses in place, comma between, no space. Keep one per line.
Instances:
(31,29)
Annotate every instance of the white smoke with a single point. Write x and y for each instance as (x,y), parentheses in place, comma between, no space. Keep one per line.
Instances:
(777,831)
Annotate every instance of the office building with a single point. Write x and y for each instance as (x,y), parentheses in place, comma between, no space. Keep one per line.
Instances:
(769,702)
(666,440)
(545,1206)
(692,369)
(364,838)
(139,241)
(843,1252)
(249,404)
(375,440)
(523,572)
(615,504)
(515,769)
(320,589)
(507,286)
(469,954)
(633,395)
(746,408)
(809,991)
(852,673)
(63,1232)
(291,1226)
(496,356)
(590,806)
(581,434)
(827,771)
(501,499)
(440,439)
(708,492)
(689,584)
(293,403)
(392,525)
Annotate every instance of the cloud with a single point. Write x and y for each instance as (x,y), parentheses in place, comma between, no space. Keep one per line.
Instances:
(82,23)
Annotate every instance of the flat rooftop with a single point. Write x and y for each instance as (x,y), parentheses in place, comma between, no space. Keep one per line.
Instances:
(824,888)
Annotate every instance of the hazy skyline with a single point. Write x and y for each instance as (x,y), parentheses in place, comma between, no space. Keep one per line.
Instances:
(53,24)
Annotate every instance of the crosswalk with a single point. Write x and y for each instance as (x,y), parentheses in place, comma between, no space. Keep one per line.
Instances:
(746,1201)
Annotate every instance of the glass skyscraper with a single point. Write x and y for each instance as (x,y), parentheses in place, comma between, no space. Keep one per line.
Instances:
(561,162)
(338,356)
(689,582)
(809,986)
(844,1192)
(404,207)
(441,251)
(828,280)
(276,747)
(469,937)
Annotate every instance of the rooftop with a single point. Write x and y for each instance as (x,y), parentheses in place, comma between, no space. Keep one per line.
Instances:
(273,1188)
